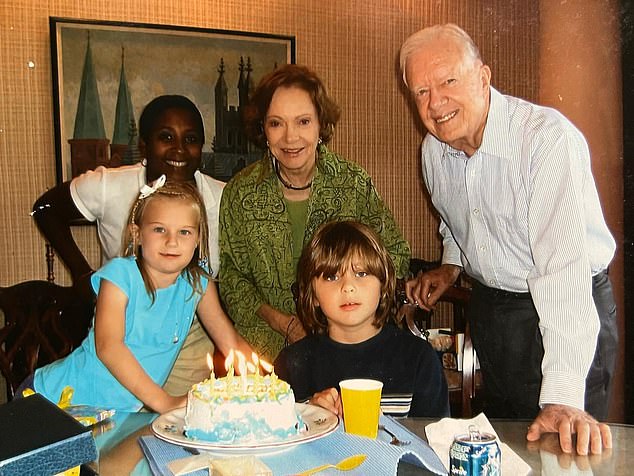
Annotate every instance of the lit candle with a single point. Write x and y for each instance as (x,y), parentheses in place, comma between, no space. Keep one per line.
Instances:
(229,369)
(256,362)
(210,364)
(242,368)
(268,368)
(257,380)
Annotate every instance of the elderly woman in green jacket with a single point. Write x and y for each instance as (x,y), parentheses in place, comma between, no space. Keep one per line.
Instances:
(272,208)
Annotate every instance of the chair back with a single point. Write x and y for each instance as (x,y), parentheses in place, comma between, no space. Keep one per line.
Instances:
(462,384)
(42,323)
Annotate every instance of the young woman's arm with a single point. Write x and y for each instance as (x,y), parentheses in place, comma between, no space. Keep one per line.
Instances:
(219,326)
(117,357)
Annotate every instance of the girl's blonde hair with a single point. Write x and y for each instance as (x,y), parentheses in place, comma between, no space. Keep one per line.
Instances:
(334,247)
(197,266)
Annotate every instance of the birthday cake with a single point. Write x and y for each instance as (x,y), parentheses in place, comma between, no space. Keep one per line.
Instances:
(241,409)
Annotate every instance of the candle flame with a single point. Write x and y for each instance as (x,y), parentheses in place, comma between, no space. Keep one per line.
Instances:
(242,369)
(210,362)
(229,361)
(236,363)
(266,366)
(242,363)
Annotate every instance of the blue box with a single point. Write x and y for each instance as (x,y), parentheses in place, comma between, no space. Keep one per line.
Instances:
(39,438)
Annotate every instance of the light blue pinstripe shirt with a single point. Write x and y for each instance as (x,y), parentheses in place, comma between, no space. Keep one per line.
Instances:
(523,214)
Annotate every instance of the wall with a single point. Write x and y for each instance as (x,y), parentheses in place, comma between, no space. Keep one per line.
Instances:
(569,60)
(356,57)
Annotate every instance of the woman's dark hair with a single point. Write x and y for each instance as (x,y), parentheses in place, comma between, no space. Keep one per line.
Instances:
(289,75)
(160,104)
(336,246)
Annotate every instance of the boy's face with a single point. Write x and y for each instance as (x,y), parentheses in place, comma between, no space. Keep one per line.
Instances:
(174,147)
(349,300)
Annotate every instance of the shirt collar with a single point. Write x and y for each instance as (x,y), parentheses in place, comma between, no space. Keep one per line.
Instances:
(495,140)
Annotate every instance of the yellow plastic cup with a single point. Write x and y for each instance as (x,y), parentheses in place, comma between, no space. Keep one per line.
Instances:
(361,406)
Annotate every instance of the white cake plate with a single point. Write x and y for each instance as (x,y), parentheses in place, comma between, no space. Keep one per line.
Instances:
(319,423)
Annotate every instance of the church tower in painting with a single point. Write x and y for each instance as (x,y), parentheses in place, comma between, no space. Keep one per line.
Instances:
(124,149)
(89,145)
(231,149)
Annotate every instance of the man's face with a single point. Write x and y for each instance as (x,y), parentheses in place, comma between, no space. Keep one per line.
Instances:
(451,92)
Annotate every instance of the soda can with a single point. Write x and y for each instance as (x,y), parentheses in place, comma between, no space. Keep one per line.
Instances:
(475,454)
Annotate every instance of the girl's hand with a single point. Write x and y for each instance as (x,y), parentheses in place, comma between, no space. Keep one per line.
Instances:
(171,403)
(328,399)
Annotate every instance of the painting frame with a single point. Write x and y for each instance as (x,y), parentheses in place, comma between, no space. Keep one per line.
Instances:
(153,59)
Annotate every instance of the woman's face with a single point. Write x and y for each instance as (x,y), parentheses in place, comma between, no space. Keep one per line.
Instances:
(292,129)
(174,147)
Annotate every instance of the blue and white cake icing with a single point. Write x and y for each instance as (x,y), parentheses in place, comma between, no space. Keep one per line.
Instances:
(234,409)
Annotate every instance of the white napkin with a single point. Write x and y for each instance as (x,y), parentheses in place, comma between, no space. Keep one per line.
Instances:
(189,464)
(440,436)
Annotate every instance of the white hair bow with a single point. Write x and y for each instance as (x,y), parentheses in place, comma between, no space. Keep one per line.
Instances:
(148,190)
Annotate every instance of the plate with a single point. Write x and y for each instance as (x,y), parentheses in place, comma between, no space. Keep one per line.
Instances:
(319,423)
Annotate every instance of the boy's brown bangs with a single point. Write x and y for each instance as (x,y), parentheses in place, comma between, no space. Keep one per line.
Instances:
(342,253)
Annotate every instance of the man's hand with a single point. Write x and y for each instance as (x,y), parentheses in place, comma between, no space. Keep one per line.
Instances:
(426,288)
(328,399)
(554,460)
(567,421)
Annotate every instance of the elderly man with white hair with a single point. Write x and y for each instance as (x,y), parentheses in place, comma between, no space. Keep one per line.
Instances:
(520,214)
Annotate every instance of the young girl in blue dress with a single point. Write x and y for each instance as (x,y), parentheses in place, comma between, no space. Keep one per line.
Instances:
(146,302)
(346,300)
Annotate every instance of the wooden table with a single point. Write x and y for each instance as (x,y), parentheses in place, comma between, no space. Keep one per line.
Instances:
(120,453)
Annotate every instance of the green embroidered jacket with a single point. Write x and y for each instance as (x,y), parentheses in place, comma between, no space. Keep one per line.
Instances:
(256,242)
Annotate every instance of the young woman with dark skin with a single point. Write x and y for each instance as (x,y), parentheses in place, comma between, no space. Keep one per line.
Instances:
(171,139)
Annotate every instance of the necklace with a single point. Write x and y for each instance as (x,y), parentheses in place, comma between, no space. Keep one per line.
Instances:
(290,186)
(175,338)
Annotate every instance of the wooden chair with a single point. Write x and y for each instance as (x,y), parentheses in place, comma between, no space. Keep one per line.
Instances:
(462,384)
(42,323)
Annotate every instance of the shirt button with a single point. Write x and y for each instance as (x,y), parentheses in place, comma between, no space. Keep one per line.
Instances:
(483,248)
(476,211)
(491,281)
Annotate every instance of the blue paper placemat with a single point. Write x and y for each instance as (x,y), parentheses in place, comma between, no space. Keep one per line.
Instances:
(382,458)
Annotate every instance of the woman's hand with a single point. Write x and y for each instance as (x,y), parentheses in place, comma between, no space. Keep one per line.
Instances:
(287,325)
(295,330)
(328,399)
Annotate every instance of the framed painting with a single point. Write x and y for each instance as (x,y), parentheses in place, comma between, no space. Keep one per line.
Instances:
(104,73)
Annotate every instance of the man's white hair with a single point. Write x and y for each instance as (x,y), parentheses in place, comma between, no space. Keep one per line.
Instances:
(425,36)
